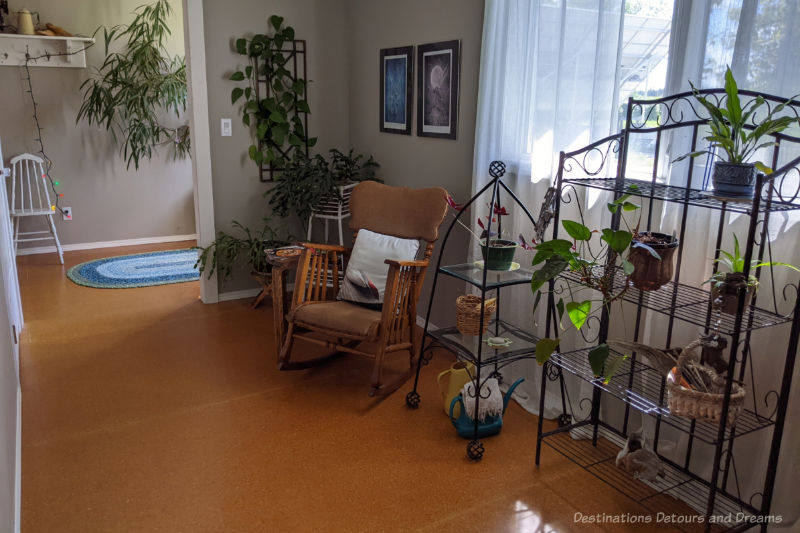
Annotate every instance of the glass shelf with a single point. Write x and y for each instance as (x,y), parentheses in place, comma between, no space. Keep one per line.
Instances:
(465,347)
(640,386)
(473,274)
(671,193)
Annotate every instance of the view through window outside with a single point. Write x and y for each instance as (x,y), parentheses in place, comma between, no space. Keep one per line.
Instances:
(643,72)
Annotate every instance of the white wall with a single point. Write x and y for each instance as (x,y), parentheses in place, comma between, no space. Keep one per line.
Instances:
(109,202)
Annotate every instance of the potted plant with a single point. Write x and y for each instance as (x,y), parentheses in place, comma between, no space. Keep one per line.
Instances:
(307,182)
(727,286)
(730,131)
(589,265)
(653,261)
(498,253)
(222,254)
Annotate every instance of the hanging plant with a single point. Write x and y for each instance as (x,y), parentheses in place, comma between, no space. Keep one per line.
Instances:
(275,118)
(135,88)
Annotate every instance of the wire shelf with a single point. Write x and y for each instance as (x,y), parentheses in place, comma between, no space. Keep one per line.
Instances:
(689,304)
(675,494)
(643,388)
(682,195)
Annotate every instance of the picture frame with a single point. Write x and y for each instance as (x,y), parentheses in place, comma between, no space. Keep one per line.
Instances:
(438,72)
(397,93)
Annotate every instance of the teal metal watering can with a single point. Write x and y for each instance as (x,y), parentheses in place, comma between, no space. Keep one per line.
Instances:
(491,425)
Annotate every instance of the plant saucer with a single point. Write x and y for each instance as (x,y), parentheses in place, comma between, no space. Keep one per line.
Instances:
(498,342)
(514,266)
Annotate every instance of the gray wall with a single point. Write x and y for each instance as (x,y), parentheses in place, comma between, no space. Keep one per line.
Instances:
(237,189)
(410,160)
(109,202)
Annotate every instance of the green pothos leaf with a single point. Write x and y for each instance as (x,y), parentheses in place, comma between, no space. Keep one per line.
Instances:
(545,348)
(578,312)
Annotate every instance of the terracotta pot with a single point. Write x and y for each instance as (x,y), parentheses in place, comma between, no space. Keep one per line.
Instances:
(726,297)
(650,273)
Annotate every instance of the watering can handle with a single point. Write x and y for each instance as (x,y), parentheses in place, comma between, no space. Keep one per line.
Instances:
(510,392)
(456,400)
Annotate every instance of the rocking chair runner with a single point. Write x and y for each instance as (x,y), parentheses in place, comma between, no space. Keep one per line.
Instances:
(317,317)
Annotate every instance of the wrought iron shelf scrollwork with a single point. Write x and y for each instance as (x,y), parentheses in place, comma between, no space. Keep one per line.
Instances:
(709,483)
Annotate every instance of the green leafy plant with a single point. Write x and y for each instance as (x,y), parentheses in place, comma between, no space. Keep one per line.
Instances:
(135,88)
(594,263)
(729,125)
(307,181)
(227,249)
(734,264)
(276,118)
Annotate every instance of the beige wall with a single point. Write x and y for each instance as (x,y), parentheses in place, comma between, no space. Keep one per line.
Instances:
(237,189)
(108,201)
(410,160)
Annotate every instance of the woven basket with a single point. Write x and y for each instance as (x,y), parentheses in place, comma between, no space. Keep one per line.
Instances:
(700,405)
(468,314)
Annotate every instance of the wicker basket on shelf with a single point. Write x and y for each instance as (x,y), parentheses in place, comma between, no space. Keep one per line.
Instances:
(692,403)
(468,313)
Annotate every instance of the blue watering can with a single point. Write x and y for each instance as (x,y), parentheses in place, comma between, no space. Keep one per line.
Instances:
(491,425)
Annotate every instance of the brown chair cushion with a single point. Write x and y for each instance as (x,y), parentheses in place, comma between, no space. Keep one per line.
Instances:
(340,316)
(398,211)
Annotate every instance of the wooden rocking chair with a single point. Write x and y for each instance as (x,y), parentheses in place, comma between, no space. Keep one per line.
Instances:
(317,317)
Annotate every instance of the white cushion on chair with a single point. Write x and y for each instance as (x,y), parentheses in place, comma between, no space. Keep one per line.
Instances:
(365,277)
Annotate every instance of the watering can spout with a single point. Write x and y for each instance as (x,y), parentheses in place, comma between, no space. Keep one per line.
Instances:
(510,392)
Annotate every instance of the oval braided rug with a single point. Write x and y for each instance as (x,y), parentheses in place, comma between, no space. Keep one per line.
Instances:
(137,270)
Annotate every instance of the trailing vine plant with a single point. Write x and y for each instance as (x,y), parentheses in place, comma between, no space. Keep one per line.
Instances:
(276,118)
(134,88)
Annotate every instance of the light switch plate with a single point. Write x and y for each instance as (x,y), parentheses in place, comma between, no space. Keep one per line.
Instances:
(226,127)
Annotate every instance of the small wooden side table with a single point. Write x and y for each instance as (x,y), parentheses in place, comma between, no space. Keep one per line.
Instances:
(281,267)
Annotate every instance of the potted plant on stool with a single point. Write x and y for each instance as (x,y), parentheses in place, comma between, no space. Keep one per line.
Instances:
(739,140)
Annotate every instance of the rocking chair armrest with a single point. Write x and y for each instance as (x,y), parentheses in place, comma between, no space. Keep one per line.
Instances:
(415,264)
(327,247)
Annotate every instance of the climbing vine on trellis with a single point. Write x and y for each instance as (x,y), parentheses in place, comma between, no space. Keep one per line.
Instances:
(275,97)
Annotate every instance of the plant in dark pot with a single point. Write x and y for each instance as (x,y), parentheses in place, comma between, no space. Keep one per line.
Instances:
(497,253)
(726,286)
(227,249)
(585,271)
(739,135)
(652,256)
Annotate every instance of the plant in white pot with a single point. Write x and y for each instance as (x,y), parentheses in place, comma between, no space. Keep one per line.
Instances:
(739,136)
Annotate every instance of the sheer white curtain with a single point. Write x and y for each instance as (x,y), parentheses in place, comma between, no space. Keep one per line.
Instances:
(548,83)
(758,39)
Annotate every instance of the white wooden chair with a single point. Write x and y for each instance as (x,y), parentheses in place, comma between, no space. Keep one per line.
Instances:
(30,198)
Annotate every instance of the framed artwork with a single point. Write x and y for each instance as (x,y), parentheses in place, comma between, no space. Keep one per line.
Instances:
(397,75)
(437,89)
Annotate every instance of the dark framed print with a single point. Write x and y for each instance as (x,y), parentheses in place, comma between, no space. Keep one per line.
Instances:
(437,89)
(397,80)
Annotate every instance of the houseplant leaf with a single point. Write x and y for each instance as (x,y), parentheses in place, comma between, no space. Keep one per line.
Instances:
(618,240)
(578,312)
(545,348)
(576,230)
(597,358)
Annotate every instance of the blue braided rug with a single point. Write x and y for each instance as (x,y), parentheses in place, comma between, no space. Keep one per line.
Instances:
(137,270)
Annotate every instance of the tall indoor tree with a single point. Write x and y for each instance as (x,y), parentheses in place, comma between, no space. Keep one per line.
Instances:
(139,87)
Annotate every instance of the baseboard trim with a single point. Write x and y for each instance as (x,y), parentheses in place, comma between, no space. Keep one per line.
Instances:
(18,466)
(105,244)
(421,323)
(238,295)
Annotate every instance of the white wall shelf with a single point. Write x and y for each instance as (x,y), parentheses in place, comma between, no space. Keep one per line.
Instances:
(13,48)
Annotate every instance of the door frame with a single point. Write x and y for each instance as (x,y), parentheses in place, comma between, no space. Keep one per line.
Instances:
(194,38)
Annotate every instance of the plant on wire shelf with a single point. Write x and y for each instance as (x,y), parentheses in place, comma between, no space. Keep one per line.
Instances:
(138,87)
(588,261)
